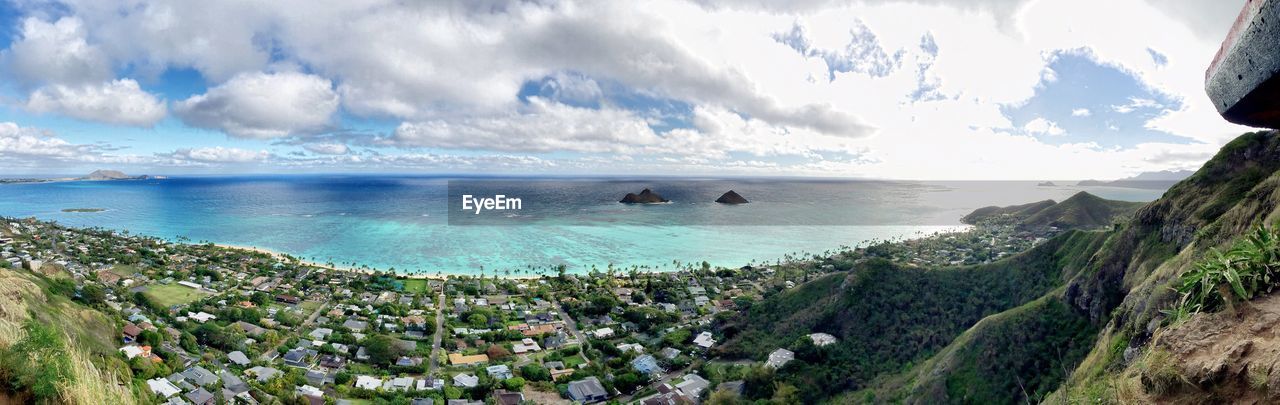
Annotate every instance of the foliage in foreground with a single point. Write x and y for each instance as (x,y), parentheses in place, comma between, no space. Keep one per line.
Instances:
(1251,267)
(38,362)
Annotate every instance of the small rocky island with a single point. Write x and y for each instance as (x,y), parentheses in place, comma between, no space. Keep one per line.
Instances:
(731,198)
(645,197)
(1047,184)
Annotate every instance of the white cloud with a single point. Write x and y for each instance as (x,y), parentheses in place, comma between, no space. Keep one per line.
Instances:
(263,105)
(55,52)
(327,148)
(1081,112)
(546,126)
(562,86)
(217,154)
(1136,103)
(15,139)
(120,102)
(451,71)
(1041,126)
(33,147)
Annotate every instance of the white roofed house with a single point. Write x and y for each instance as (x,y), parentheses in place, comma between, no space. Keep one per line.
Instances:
(780,358)
(368,382)
(704,340)
(162,387)
(602,333)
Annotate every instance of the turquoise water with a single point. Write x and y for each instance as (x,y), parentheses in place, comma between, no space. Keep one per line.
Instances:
(404,222)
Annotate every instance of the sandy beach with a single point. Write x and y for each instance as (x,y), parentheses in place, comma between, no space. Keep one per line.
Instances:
(285,257)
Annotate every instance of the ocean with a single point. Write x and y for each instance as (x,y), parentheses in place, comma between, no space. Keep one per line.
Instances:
(415,224)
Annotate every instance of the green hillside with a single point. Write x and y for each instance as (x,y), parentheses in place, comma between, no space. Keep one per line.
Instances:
(54,350)
(1012,213)
(888,317)
(1082,210)
(1084,339)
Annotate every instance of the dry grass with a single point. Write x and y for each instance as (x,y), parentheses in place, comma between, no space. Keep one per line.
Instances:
(89,384)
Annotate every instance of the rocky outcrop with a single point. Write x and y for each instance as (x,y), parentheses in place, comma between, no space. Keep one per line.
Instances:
(731,198)
(645,197)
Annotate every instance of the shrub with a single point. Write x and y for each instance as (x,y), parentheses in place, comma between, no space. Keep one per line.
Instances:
(1247,269)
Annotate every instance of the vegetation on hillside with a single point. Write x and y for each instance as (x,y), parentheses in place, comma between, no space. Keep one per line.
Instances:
(53,350)
(1249,268)
(888,317)
(1082,210)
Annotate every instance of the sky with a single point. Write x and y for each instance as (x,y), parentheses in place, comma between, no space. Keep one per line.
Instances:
(894,89)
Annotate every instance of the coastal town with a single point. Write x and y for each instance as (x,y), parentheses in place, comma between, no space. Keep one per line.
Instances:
(206,324)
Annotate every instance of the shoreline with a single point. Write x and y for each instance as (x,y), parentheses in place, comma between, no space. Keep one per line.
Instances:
(445,276)
(369,271)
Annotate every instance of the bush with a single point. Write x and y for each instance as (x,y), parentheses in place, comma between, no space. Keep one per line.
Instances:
(1249,268)
(39,362)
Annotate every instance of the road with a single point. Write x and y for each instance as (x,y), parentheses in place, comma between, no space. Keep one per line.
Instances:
(438,336)
(572,325)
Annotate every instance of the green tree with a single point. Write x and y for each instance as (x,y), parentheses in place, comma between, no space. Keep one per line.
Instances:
(478,320)
(785,394)
(93,294)
(535,372)
(723,397)
(382,349)
(513,384)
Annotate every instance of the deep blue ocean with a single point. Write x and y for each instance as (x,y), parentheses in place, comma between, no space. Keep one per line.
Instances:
(414,223)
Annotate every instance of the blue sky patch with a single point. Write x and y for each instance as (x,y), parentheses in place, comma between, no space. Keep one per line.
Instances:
(1090,102)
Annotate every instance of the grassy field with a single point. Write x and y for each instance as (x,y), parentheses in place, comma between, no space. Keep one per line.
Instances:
(173,294)
(124,270)
(307,307)
(415,285)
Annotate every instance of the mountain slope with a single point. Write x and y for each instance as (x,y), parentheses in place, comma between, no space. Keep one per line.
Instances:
(1119,292)
(1082,210)
(73,361)
(1010,213)
(887,317)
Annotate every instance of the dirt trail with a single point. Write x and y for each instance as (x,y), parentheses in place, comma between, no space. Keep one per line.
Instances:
(1221,357)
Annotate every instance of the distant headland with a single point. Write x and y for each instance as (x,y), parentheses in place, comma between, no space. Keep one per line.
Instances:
(96,175)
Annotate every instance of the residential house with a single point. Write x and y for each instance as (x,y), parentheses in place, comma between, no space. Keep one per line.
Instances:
(646,364)
(368,382)
(587,390)
(262,374)
(200,376)
(238,358)
(499,372)
(459,360)
(162,387)
(296,358)
(504,397)
(200,397)
(779,358)
(704,340)
(131,333)
(466,380)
